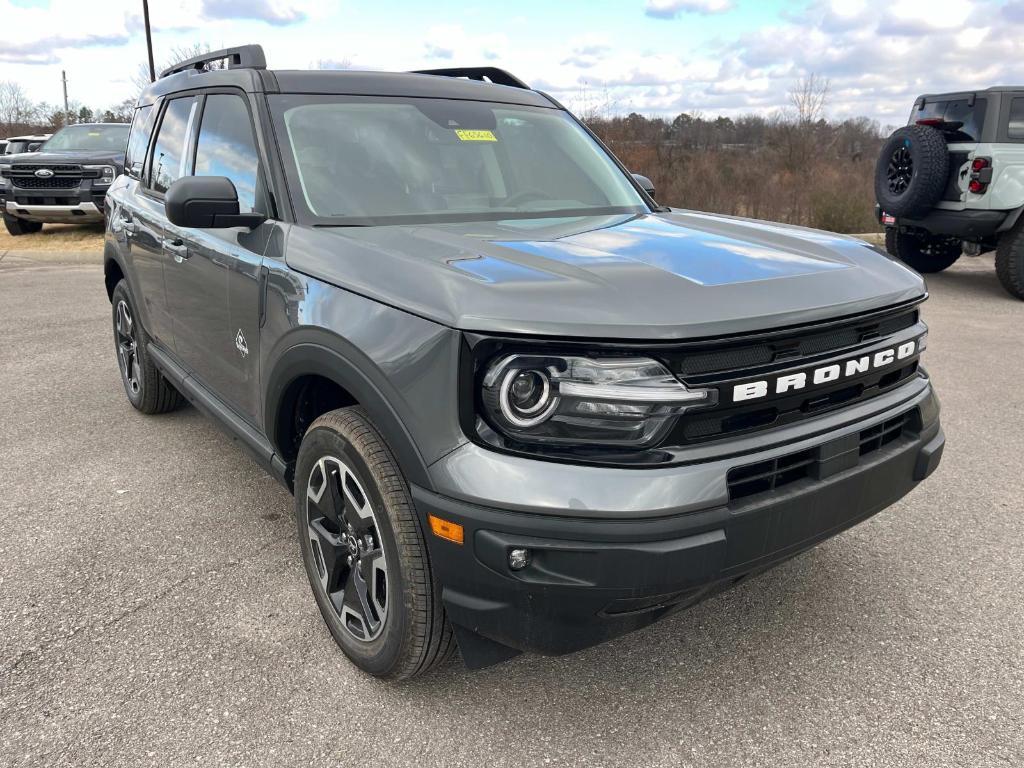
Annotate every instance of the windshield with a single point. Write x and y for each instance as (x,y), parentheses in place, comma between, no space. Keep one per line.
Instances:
(364,160)
(89,137)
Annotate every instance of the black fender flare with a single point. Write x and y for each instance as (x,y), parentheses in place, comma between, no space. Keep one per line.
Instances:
(1011,219)
(313,352)
(110,256)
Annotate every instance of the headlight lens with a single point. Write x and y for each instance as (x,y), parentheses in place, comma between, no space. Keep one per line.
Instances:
(625,402)
(106,173)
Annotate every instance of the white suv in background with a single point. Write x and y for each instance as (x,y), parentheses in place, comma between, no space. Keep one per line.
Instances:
(951,181)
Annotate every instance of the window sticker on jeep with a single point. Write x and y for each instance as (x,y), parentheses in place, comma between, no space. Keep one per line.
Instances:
(465,135)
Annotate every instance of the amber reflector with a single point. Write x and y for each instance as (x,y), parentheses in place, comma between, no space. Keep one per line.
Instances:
(446,530)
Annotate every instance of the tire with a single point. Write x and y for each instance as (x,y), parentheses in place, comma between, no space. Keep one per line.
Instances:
(912,171)
(924,253)
(1010,261)
(407,633)
(147,389)
(16,226)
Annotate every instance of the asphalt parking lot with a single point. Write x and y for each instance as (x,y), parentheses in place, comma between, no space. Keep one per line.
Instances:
(154,611)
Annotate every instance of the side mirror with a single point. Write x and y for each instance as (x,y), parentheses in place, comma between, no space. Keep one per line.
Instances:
(206,202)
(34,146)
(645,184)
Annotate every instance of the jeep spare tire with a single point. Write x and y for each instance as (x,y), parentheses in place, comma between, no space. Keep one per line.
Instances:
(912,171)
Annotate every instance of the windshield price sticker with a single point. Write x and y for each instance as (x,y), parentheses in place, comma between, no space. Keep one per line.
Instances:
(465,135)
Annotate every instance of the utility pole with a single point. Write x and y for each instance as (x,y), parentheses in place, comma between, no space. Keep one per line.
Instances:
(64,81)
(149,40)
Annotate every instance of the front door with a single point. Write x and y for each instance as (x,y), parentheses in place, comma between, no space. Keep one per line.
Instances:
(213,276)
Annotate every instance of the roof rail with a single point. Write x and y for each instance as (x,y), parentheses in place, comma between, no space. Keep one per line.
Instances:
(483,74)
(240,57)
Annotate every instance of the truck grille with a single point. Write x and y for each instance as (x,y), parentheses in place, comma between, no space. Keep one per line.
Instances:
(24,176)
(772,474)
(717,367)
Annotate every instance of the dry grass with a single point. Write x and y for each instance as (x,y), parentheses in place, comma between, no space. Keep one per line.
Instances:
(56,237)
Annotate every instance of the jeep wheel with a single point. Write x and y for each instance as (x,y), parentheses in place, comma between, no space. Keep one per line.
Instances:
(146,387)
(16,226)
(924,253)
(364,552)
(1010,261)
(912,171)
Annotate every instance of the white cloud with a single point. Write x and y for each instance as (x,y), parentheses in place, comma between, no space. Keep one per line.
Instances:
(669,9)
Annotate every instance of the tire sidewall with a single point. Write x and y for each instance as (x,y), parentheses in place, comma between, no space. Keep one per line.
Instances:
(930,159)
(380,655)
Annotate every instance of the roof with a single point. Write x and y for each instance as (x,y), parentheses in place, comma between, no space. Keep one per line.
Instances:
(246,71)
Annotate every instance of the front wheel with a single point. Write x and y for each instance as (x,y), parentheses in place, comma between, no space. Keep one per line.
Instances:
(364,552)
(16,226)
(923,253)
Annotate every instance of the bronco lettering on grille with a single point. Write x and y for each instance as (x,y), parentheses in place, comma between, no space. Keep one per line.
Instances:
(791,382)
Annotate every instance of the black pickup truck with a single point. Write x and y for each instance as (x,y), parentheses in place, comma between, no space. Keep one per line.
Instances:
(65,181)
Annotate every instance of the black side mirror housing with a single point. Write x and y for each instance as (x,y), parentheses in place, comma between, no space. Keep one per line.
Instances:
(34,146)
(645,184)
(207,202)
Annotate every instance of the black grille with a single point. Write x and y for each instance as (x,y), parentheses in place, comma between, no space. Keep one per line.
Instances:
(54,182)
(713,366)
(24,176)
(766,476)
(792,346)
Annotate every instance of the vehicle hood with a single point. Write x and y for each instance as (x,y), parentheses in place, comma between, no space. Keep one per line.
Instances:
(89,157)
(658,276)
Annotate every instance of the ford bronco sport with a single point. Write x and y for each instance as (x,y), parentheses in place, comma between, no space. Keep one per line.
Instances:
(952,182)
(521,406)
(65,181)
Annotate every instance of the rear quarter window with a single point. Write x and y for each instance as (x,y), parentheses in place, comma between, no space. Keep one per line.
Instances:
(1015,125)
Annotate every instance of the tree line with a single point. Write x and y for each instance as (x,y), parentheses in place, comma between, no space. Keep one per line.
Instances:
(19,114)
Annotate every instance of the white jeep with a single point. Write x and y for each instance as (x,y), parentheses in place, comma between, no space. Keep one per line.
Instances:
(951,182)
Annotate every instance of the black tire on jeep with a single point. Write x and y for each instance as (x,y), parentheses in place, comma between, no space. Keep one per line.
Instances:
(16,226)
(147,389)
(912,171)
(364,550)
(1010,261)
(923,253)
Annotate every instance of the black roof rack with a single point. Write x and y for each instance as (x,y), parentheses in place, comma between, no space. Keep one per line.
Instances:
(242,57)
(483,74)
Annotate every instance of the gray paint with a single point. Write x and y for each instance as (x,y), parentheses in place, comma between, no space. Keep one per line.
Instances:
(662,276)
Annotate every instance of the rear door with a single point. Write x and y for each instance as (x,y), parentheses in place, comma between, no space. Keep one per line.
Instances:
(214,278)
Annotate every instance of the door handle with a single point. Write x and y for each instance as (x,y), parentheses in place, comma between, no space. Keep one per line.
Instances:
(177,248)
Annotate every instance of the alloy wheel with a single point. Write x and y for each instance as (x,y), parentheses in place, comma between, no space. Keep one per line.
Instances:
(900,170)
(346,548)
(127,348)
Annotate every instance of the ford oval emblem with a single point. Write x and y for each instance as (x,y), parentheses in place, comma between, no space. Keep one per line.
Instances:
(44,173)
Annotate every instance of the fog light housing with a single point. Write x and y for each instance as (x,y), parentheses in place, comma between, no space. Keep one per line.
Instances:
(518,558)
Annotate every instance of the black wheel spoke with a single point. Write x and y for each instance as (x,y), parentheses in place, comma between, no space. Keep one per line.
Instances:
(346,548)
(127,347)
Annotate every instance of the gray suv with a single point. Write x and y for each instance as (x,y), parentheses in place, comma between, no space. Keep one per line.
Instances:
(521,406)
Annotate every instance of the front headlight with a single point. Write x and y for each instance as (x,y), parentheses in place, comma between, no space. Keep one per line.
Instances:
(107,173)
(624,402)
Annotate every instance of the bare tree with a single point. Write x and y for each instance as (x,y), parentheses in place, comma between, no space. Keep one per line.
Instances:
(808,97)
(178,54)
(16,109)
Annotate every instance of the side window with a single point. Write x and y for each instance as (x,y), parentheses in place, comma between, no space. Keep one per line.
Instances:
(1015,128)
(227,147)
(171,150)
(138,141)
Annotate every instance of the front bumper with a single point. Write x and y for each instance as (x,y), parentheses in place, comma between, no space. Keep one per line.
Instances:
(593,577)
(55,214)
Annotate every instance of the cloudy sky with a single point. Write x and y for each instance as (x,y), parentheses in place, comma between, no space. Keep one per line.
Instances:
(650,56)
